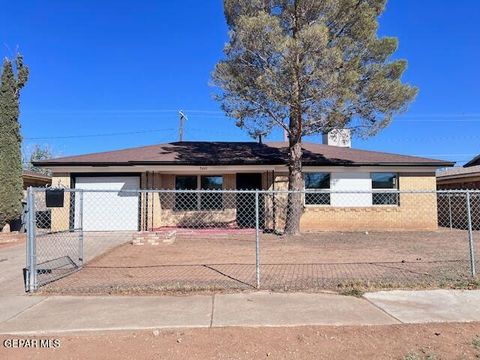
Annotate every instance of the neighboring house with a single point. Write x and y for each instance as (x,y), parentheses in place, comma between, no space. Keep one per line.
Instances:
(459,178)
(475,161)
(35,179)
(452,207)
(30,178)
(250,165)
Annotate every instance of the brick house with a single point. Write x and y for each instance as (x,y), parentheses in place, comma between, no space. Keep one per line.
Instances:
(460,178)
(333,165)
(466,177)
(32,178)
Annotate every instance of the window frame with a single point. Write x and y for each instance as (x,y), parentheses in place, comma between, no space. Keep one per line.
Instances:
(217,196)
(199,206)
(384,190)
(305,189)
(177,208)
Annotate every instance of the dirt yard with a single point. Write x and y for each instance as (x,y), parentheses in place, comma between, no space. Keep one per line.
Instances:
(330,260)
(403,342)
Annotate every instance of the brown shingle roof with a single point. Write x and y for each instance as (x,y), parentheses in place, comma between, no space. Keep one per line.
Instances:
(36,175)
(239,153)
(475,161)
(459,172)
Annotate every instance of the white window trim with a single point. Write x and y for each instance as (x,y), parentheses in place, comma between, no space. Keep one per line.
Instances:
(396,188)
(305,189)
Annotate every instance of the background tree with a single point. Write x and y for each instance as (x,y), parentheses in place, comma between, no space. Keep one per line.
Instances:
(10,140)
(38,153)
(309,66)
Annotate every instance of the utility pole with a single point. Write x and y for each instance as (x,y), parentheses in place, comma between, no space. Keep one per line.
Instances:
(183,117)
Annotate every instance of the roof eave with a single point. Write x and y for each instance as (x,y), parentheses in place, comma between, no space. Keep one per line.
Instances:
(472,162)
(170,163)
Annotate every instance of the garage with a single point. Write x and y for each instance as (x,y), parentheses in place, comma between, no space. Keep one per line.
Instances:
(108,211)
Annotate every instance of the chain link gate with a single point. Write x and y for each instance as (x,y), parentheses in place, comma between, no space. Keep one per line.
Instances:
(154,241)
(51,254)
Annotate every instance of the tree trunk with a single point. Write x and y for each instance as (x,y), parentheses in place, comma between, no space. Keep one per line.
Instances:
(295,183)
(295,180)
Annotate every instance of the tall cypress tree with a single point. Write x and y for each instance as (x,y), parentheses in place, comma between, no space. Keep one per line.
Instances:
(10,140)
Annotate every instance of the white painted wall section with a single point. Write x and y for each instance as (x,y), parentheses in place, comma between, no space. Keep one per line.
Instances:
(350,182)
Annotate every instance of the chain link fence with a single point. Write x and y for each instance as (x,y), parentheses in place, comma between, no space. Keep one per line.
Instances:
(160,241)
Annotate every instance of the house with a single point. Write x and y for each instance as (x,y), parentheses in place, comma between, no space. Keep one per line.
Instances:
(35,179)
(475,161)
(459,178)
(466,177)
(29,178)
(333,165)
(452,208)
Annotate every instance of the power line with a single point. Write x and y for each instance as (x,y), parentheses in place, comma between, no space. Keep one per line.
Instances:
(97,135)
(210,111)
(404,120)
(119,111)
(426,138)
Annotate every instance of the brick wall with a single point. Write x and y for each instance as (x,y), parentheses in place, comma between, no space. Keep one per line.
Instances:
(415,212)
(163,213)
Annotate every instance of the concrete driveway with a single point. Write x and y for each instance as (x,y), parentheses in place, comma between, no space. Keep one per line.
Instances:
(12,261)
(12,258)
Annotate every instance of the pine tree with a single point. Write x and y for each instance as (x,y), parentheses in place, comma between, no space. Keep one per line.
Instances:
(309,67)
(11,184)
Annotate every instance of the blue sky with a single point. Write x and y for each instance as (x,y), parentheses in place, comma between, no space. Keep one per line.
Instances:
(109,67)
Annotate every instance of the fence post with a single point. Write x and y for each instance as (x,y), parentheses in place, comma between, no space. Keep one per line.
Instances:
(470,236)
(31,246)
(257,241)
(28,264)
(450,210)
(80,237)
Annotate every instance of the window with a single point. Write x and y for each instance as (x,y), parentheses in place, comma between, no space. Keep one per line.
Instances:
(385,181)
(213,201)
(186,183)
(317,181)
(186,201)
(198,201)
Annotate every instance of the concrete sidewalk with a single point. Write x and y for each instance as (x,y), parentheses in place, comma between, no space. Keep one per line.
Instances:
(41,315)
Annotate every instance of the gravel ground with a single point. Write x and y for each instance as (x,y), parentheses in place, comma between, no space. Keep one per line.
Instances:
(432,341)
(330,260)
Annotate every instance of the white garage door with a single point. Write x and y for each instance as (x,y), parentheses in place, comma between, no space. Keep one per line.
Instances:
(108,211)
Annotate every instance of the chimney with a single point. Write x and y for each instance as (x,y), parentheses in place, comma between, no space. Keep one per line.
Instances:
(338,137)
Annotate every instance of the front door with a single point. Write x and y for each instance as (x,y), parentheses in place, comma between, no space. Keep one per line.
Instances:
(245,203)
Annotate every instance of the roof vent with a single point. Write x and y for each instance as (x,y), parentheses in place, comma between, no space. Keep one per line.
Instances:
(338,137)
